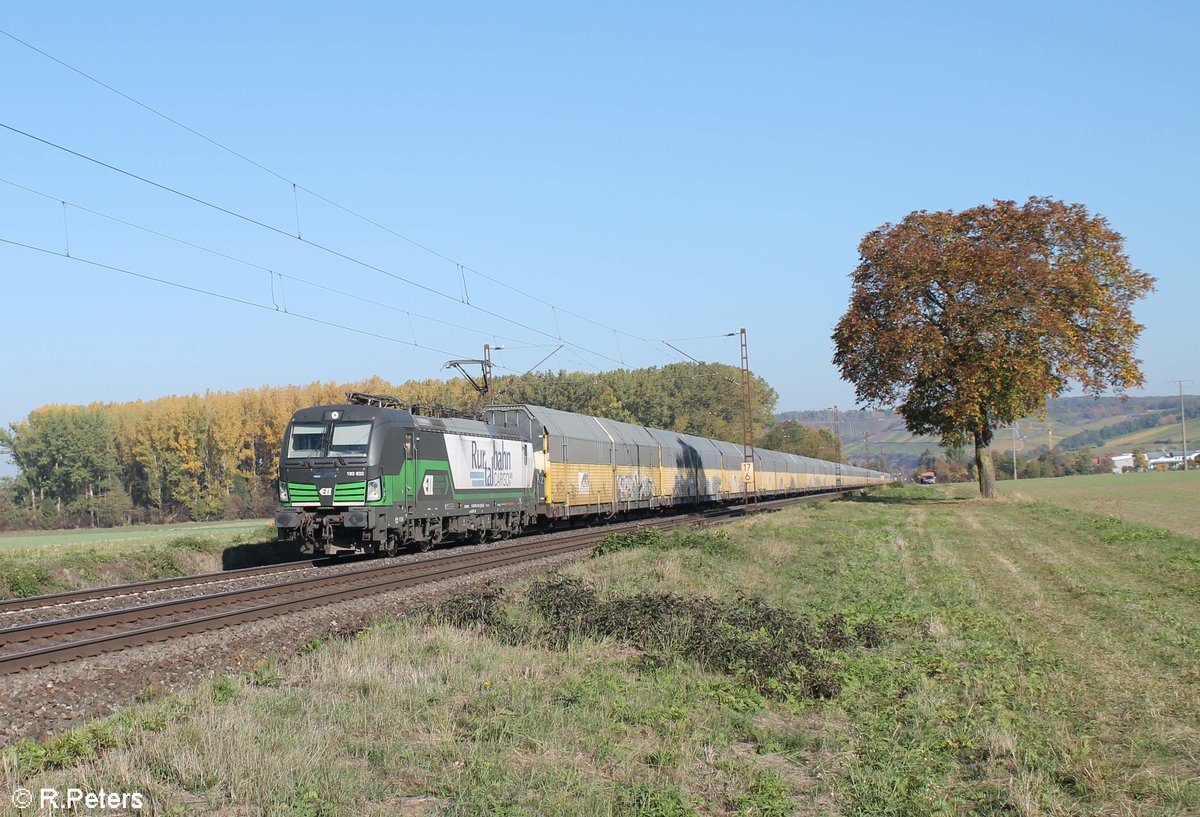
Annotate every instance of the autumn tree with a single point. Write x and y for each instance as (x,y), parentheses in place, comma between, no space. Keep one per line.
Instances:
(969,321)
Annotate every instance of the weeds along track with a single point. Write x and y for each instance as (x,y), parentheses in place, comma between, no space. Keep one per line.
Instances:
(63,640)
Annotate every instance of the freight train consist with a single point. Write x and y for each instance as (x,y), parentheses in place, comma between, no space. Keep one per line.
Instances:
(370,477)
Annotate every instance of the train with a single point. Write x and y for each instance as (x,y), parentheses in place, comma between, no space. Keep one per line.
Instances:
(369,476)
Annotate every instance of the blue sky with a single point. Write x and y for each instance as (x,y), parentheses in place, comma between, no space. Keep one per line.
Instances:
(668,170)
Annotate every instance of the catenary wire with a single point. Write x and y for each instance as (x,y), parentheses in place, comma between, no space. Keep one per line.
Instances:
(269,270)
(297,186)
(322,247)
(225,297)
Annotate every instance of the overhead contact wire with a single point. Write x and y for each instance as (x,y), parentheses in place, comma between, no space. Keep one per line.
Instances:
(296,185)
(253,265)
(278,231)
(219,295)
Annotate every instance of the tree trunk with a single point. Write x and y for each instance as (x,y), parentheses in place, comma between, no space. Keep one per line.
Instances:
(985,467)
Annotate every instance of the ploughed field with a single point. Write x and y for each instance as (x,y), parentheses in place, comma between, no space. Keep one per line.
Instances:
(911,652)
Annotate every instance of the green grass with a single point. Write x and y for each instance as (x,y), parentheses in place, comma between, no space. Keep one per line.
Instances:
(1035,660)
(1168,500)
(140,534)
(94,558)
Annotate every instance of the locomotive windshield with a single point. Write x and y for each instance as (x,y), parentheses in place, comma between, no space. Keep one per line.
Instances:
(350,439)
(307,440)
(324,439)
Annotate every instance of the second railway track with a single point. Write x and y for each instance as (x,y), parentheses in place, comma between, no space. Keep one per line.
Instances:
(71,598)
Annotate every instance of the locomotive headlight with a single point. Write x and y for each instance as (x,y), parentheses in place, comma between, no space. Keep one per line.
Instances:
(374,490)
(283,494)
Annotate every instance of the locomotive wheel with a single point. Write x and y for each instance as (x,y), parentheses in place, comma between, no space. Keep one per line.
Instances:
(434,539)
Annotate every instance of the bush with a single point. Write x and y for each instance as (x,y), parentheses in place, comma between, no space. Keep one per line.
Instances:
(206,508)
(483,611)
(472,611)
(771,649)
(156,562)
(196,544)
(22,581)
(713,542)
(766,650)
(637,538)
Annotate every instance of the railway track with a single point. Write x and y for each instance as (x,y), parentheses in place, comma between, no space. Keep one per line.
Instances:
(62,640)
(115,591)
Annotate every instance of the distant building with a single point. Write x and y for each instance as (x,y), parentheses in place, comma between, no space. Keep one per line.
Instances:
(1170,459)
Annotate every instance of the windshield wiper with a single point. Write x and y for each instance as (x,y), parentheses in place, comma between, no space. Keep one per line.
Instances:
(326,443)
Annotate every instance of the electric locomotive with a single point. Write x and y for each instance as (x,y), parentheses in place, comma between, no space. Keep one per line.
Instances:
(368,476)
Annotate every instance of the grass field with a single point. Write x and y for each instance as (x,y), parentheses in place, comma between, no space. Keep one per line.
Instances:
(141,534)
(32,564)
(1169,500)
(961,658)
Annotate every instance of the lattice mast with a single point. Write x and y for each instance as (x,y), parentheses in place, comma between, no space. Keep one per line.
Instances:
(837,440)
(748,477)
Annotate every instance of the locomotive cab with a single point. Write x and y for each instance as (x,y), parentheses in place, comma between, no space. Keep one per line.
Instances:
(342,487)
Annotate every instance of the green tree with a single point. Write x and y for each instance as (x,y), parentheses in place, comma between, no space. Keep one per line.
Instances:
(1140,461)
(1004,465)
(67,459)
(926,461)
(969,321)
(14,515)
(793,438)
(695,398)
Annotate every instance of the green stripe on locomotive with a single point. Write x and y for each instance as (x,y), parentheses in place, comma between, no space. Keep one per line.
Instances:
(412,473)
(301,492)
(350,492)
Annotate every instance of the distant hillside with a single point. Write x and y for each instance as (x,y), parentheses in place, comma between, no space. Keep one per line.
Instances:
(1106,424)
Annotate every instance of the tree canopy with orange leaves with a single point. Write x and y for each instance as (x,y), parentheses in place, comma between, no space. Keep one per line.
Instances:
(968,321)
